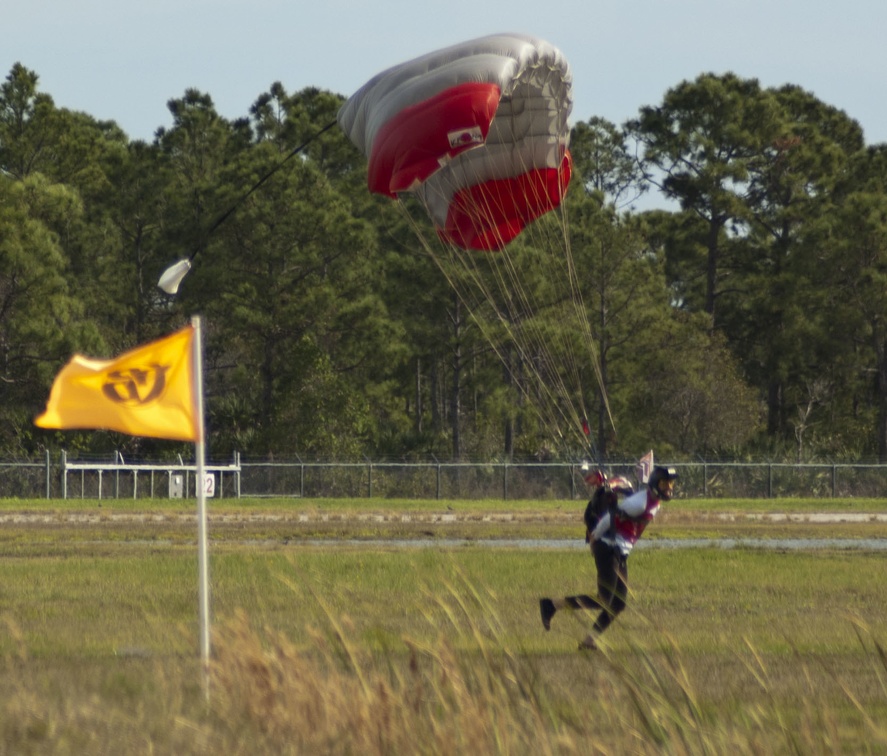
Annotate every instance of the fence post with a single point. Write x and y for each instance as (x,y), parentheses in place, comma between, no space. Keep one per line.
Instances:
(438,481)
(505,482)
(237,474)
(769,481)
(48,482)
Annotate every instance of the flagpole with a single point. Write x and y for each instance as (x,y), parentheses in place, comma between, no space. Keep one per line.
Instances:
(202,557)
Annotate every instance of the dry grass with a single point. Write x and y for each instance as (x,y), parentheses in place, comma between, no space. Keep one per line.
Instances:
(362,650)
(461,688)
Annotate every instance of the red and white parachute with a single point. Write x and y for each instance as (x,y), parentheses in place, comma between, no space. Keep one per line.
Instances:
(477,131)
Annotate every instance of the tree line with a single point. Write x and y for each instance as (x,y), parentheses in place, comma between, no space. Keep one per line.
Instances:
(743,318)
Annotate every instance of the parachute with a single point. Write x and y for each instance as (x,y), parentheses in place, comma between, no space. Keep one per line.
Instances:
(477,131)
(477,136)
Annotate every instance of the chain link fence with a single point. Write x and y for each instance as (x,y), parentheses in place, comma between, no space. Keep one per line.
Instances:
(115,478)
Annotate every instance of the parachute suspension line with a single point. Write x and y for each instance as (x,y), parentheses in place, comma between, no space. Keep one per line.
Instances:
(498,283)
(559,344)
(576,340)
(246,195)
(554,239)
(582,317)
(462,282)
(173,275)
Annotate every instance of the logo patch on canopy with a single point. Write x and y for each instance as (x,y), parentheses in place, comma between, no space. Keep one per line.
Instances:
(465,137)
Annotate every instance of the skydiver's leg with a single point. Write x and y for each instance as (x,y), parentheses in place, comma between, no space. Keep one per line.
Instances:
(612,574)
(548,607)
(582,602)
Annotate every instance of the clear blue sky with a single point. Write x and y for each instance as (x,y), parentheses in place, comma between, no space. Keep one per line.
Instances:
(123,59)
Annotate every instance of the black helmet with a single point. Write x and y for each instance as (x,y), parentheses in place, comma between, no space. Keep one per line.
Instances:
(657,476)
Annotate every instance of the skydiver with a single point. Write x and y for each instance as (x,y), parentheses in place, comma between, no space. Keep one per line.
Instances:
(611,541)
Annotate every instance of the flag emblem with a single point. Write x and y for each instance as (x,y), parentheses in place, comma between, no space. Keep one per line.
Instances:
(136,386)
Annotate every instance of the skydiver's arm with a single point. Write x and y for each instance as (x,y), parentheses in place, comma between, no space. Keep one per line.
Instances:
(601,528)
(635,505)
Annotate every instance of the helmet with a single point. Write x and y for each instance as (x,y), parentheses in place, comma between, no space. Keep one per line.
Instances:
(657,476)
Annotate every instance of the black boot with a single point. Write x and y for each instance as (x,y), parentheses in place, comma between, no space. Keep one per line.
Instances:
(546,608)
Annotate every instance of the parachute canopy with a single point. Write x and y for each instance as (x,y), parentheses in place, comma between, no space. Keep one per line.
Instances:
(477,131)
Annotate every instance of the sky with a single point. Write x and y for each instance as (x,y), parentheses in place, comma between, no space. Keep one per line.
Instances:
(122,60)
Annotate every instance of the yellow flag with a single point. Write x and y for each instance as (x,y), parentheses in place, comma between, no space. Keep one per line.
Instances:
(149,391)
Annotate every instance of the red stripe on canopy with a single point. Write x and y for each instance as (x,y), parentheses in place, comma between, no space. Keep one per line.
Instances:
(410,146)
(489,215)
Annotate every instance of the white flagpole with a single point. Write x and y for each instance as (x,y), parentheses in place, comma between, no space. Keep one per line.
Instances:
(202,557)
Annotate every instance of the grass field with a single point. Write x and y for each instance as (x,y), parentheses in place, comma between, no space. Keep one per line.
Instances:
(325,641)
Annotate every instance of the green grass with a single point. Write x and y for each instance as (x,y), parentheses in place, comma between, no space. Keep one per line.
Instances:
(342,648)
